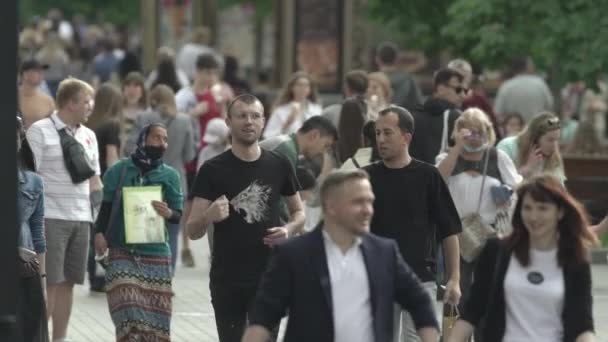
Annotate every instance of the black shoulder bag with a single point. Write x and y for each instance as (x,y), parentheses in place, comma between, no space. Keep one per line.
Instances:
(75,157)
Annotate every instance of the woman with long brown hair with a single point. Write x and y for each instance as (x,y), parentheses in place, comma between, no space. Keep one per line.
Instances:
(106,121)
(297,102)
(536,149)
(353,116)
(535,285)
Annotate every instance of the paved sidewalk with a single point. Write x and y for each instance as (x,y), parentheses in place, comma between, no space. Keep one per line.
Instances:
(193,319)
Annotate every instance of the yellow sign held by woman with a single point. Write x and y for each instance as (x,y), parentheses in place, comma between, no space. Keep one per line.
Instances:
(142,222)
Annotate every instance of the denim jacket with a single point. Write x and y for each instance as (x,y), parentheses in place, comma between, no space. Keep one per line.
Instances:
(30,202)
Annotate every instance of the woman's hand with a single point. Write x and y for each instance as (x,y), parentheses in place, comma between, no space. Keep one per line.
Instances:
(162,209)
(101,245)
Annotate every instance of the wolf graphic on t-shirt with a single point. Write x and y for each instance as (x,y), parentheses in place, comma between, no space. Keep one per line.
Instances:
(253,201)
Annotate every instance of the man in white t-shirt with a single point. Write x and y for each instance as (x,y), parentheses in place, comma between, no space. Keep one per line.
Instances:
(68,213)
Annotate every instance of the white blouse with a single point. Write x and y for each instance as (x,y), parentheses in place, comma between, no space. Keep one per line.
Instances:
(281,114)
(465,188)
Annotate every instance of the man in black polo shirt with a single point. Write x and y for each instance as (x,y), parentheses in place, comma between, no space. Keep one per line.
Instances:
(413,206)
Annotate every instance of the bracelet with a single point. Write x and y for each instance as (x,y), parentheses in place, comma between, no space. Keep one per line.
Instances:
(43,275)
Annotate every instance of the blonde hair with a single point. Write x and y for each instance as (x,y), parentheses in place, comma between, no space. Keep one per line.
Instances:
(538,126)
(162,99)
(385,83)
(69,89)
(477,118)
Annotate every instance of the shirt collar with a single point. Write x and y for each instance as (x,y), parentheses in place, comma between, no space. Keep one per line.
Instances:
(59,124)
(294,137)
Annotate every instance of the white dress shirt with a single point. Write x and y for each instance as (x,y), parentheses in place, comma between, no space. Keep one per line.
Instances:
(352,310)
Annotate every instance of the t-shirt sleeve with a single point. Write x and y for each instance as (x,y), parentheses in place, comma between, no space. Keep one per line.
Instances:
(35,139)
(507,169)
(443,211)
(440,157)
(112,134)
(203,184)
(291,185)
(507,146)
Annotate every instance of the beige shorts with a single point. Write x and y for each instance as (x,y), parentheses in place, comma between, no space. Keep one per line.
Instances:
(67,244)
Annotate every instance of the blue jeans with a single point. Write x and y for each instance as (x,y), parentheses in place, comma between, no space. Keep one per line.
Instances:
(173,243)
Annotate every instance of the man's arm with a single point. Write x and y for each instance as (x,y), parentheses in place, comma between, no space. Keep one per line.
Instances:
(295,224)
(198,221)
(256,333)
(296,214)
(451,248)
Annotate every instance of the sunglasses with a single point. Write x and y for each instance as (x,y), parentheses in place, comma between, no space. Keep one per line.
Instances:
(459,89)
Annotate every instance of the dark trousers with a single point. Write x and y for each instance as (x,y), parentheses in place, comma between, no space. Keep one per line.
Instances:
(31,325)
(96,282)
(232,303)
(466,280)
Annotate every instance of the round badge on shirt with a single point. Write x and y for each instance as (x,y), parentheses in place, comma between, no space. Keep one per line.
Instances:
(535,277)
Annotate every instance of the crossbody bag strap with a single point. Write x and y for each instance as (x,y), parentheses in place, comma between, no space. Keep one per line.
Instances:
(116,200)
(444,132)
(485,175)
(355,162)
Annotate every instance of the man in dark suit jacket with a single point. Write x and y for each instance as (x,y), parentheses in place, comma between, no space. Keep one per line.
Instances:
(339,283)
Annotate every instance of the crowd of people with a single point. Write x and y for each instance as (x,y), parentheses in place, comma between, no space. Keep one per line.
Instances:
(348,219)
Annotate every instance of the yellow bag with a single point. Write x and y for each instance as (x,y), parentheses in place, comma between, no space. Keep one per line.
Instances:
(450,316)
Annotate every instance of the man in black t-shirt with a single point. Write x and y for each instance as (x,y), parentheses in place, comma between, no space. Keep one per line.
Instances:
(239,192)
(413,206)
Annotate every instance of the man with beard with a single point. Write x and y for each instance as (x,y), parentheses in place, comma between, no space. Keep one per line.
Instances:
(360,276)
(239,192)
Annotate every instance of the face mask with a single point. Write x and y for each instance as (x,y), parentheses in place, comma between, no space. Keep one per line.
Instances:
(155,152)
(471,149)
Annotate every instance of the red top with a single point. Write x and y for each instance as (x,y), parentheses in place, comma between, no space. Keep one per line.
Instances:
(213,112)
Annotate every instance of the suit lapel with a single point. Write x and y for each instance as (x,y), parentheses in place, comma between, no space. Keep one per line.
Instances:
(374,274)
(319,259)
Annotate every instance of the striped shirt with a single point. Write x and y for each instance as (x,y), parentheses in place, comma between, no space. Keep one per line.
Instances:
(63,200)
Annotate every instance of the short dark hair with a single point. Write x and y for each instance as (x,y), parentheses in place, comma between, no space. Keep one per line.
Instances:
(387,52)
(519,64)
(406,119)
(320,123)
(443,77)
(207,61)
(356,81)
(245,98)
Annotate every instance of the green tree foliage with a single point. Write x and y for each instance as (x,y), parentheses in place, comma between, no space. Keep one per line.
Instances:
(420,21)
(263,8)
(565,37)
(114,11)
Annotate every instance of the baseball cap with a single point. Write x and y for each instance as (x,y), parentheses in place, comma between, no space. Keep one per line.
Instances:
(30,64)
(216,131)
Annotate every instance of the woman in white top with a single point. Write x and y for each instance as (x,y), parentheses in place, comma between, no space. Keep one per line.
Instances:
(379,94)
(298,102)
(535,285)
(462,168)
